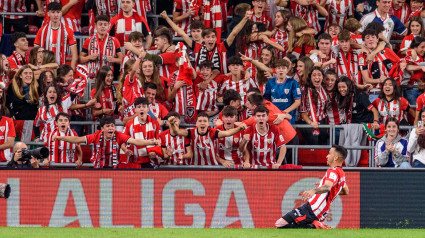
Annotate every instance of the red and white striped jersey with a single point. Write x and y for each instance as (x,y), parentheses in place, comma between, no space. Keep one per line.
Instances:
(108,148)
(145,131)
(263,19)
(282,38)
(13,6)
(262,148)
(142,7)
(158,110)
(203,146)
(168,65)
(336,115)
(45,118)
(414,14)
(62,151)
(241,86)
(131,90)
(217,56)
(348,64)
(177,143)
(395,108)
(407,40)
(402,13)
(7,129)
(321,203)
(338,12)
(127,57)
(72,18)
(213,15)
(183,6)
(417,74)
(317,111)
(356,38)
(206,98)
(381,65)
(316,58)
(253,50)
(122,26)
(308,13)
(228,147)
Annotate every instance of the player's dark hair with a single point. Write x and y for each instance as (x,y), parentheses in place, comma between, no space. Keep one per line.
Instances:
(282,63)
(392,119)
(172,114)
(230,95)
(63,114)
(197,25)
(202,114)
(341,151)
(208,31)
(164,32)
(16,36)
(396,89)
(261,108)
(234,60)
(54,6)
(230,111)
(135,35)
(417,41)
(106,120)
(101,18)
(344,35)
(206,64)
(369,32)
(256,99)
(324,36)
(255,90)
(141,100)
(150,85)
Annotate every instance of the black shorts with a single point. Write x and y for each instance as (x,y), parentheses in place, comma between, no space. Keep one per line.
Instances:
(301,216)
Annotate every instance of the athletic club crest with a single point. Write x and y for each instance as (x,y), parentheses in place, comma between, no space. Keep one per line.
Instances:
(236,140)
(286,90)
(2,128)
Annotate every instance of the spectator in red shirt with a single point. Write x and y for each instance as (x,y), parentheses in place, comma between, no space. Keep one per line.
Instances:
(107,142)
(19,57)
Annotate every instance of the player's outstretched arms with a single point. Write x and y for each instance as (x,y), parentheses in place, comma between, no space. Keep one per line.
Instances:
(70,139)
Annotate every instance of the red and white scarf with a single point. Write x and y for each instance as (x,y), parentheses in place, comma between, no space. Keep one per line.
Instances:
(108,50)
(20,60)
(61,41)
(58,147)
(213,16)
(98,155)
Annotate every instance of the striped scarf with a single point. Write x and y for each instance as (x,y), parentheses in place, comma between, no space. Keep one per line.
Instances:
(313,109)
(213,16)
(108,50)
(98,155)
(56,147)
(61,41)
(19,59)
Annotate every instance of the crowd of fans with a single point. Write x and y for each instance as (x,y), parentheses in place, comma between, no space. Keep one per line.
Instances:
(241,84)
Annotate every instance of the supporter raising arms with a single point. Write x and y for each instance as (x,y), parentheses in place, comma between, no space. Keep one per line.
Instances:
(100,49)
(107,142)
(202,138)
(56,37)
(313,108)
(210,50)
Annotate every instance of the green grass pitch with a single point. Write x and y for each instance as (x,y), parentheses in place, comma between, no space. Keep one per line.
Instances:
(29,232)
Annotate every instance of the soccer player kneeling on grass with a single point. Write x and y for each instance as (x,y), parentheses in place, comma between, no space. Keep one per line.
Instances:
(312,213)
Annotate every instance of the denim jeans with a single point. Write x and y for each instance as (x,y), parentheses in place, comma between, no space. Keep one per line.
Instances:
(411,95)
(418,164)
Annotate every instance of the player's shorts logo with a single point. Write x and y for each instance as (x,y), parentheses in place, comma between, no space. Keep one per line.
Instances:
(292,200)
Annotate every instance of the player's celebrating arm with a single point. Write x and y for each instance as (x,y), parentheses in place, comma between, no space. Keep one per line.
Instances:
(319,199)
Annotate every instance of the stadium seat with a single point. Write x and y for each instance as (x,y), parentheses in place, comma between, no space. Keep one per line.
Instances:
(32,30)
